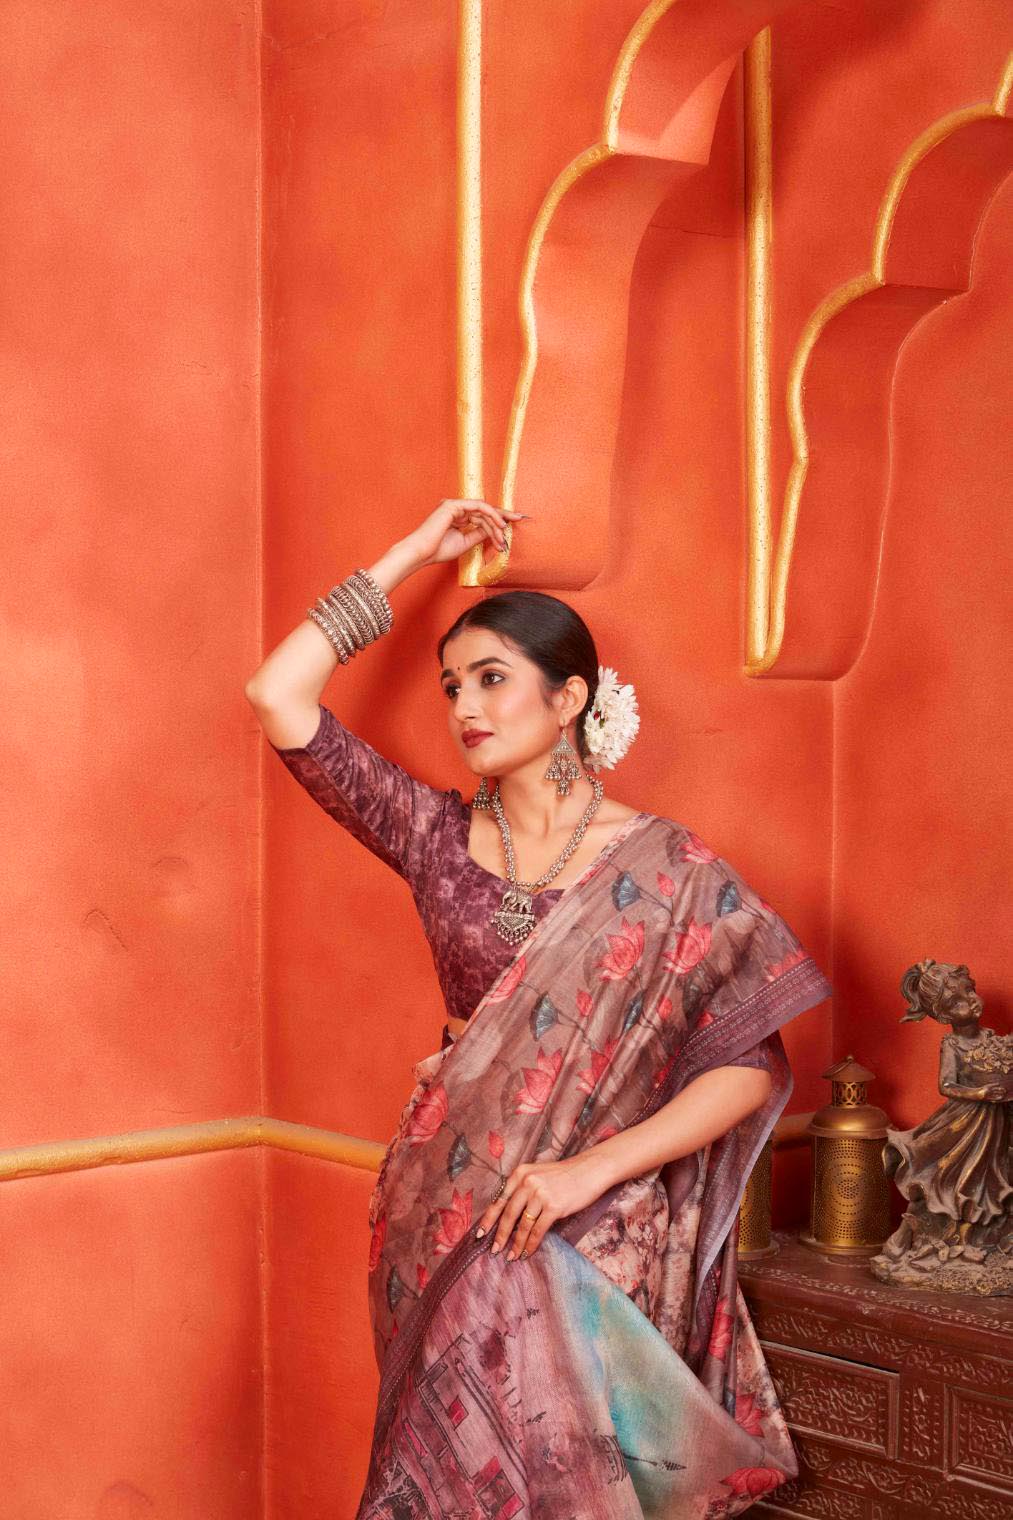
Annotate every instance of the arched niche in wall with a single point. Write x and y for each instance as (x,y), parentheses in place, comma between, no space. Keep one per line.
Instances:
(658,126)
(826,568)
(818,582)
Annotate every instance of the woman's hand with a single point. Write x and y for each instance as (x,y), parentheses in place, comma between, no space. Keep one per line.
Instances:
(457,525)
(549,1189)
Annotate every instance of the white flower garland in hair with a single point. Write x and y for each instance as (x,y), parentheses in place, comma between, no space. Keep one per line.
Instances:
(612,722)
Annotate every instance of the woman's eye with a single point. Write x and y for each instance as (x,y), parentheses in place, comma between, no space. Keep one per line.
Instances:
(451,688)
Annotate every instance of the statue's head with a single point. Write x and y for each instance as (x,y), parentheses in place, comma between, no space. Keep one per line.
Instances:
(945,993)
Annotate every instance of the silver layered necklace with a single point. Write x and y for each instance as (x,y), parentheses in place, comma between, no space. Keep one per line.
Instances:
(515,917)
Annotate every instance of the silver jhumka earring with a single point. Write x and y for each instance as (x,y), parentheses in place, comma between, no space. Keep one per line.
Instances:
(564,767)
(482,799)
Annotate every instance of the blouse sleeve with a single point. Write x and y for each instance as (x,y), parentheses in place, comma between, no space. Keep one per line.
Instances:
(392,813)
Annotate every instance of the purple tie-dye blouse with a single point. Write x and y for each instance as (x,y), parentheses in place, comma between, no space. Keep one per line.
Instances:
(422,833)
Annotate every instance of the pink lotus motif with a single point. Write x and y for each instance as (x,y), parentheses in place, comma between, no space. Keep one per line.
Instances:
(376,1242)
(693,848)
(588,1080)
(748,1414)
(689,949)
(422,1274)
(533,1096)
(754,1481)
(427,1116)
(777,968)
(664,1008)
(454,1223)
(495,1143)
(624,953)
(510,980)
(721,1331)
(665,884)
(584,1003)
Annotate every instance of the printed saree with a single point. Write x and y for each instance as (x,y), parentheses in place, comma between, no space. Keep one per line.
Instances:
(614,1373)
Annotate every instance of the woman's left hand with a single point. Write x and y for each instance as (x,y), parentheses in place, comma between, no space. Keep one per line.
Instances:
(549,1189)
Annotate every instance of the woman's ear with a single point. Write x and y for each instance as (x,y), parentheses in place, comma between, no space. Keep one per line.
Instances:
(576,690)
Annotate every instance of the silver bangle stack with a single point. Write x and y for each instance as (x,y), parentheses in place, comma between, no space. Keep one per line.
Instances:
(353,614)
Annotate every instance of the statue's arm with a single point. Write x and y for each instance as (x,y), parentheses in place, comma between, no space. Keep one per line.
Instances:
(948,1084)
(994,1092)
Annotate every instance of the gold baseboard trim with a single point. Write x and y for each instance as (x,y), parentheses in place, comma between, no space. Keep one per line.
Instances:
(229,1134)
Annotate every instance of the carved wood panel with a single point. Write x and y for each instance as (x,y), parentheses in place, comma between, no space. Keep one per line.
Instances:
(828,1396)
(899,1404)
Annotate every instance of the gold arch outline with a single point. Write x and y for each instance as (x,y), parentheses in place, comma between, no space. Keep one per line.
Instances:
(766,620)
(472,569)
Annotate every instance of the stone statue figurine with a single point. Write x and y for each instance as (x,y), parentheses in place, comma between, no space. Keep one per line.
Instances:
(954,1168)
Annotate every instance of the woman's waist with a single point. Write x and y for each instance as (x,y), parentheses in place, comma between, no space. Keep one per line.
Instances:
(456,1027)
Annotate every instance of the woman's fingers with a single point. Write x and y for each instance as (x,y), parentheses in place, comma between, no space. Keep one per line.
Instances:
(511,1213)
(510,1217)
(529,1232)
(491,520)
(497,1208)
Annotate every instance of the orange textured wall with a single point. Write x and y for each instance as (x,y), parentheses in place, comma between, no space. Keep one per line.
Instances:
(194,939)
(922,821)
(130,1380)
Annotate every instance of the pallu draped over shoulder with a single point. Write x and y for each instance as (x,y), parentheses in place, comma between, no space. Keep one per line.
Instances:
(615,1373)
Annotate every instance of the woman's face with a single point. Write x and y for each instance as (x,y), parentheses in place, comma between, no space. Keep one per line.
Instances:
(490,687)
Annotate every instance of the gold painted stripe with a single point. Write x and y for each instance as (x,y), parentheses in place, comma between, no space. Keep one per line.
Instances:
(229,1134)
(469,220)
(470,432)
(187,1140)
(758,229)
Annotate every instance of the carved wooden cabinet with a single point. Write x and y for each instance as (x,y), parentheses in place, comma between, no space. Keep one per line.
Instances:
(900,1403)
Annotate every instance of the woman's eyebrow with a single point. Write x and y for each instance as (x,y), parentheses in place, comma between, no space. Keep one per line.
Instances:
(490,659)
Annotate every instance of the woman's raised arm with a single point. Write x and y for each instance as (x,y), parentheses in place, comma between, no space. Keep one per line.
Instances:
(391,812)
(285,690)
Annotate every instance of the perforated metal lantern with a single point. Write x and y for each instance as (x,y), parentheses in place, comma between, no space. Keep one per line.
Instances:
(754,1211)
(850,1206)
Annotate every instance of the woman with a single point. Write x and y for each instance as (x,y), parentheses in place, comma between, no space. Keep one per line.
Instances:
(552,1271)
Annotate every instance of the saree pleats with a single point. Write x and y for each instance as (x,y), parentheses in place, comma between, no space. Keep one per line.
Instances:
(615,1371)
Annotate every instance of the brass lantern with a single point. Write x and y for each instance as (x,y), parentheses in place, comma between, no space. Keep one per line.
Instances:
(754,1211)
(850,1208)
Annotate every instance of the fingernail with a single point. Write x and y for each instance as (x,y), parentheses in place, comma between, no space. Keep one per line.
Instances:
(494,1248)
(479,1232)
(510,1256)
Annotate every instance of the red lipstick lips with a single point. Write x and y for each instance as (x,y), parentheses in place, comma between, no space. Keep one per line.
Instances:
(473,736)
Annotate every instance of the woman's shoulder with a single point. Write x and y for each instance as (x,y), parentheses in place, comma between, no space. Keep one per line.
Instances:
(611,811)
